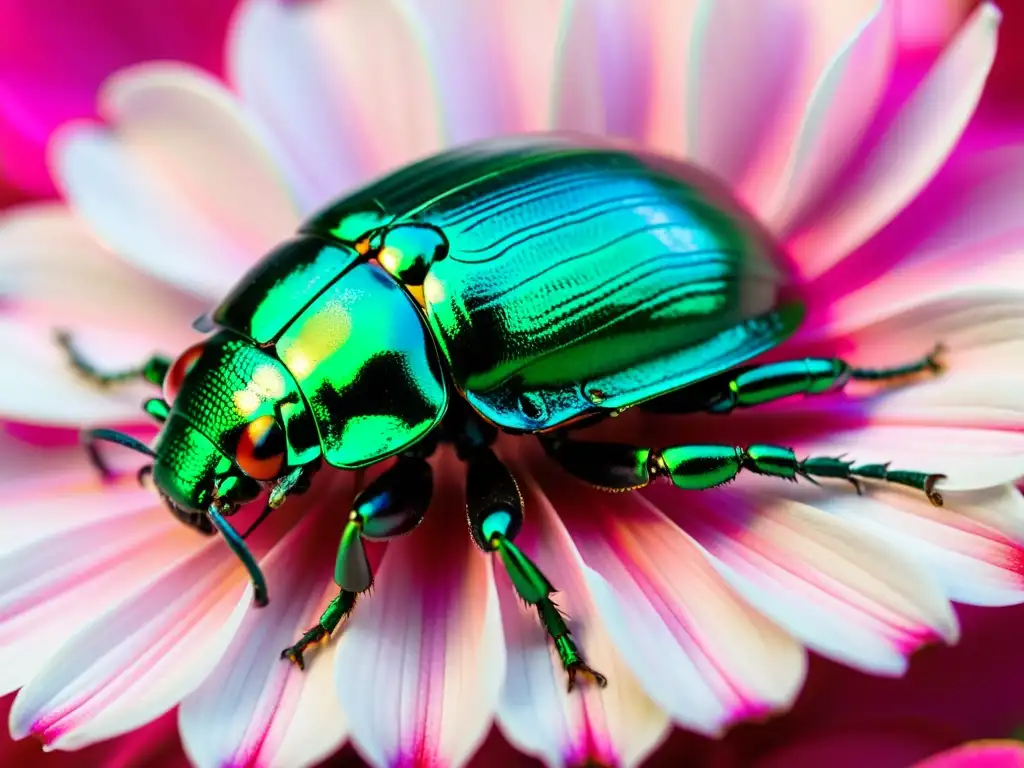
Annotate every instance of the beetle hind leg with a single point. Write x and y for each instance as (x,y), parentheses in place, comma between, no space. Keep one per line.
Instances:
(338,609)
(619,467)
(495,511)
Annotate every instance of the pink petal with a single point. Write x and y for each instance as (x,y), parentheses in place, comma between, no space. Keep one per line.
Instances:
(843,592)
(346,86)
(137,659)
(927,23)
(605,69)
(702,652)
(618,725)
(259,710)
(745,58)
(183,182)
(420,664)
(52,585)
(910,151)
(54,54)
(838,113)
(979,754)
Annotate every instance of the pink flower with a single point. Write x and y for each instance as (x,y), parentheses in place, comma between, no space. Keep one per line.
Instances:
(698,607)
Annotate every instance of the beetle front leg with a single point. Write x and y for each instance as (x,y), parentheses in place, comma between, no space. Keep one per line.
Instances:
(748,387)
(618,467)
(153,370)
(495,510)
(390,506)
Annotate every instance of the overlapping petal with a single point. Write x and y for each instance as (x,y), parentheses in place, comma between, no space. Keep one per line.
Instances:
(708,657)
(180,182)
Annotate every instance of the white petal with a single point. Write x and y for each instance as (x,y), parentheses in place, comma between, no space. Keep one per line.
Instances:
(839,111)
(911,150)
(701,651)
(421,661)
(52,585)
(137,660)
(260,710)
(843,592)
(183,182)
(605,69)
(345,84)
(618,725)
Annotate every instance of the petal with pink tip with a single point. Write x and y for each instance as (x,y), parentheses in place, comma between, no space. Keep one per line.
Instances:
(260,710)
(838,113)
(138,659)
(745,58)
(701,651)
(842,591)
(54,583)
(619,725)
(345,84)
(910,151)
(974,562)
(979,754)
(55,54)
(183,183)
(420,662)
(672,30)
(605,69)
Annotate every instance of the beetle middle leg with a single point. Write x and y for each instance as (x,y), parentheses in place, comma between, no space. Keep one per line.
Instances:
(620,467)
(495,510)
(390,506)
(756,385)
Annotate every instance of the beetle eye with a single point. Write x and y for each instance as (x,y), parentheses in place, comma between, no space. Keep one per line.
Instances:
(261,449)
(179,370)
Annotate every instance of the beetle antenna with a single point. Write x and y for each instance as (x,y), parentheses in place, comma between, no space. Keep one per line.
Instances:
(112,436)
(238,546)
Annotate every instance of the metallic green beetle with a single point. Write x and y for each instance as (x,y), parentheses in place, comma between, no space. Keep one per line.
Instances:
(532,285)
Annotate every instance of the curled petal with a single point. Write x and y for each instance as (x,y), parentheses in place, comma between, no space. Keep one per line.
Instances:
(838,113)
(910,151)
(616,725)
(420,663)
(182,183)
(979,754)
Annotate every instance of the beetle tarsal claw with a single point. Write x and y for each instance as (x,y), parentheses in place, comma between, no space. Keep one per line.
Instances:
(294,652)
(581,668)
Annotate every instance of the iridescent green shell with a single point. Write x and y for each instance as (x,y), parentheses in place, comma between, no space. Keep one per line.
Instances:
(575,279)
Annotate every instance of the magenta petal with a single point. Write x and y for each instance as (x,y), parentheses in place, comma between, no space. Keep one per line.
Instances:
(55,53)
(990,754)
